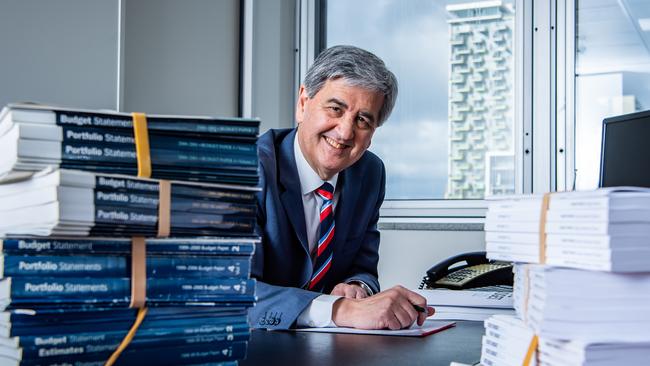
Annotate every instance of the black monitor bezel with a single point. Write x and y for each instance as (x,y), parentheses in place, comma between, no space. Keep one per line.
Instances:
(611,120)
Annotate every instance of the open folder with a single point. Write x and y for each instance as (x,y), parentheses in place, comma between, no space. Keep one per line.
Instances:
(429,327)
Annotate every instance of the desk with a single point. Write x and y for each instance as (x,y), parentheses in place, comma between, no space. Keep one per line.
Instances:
(461,343)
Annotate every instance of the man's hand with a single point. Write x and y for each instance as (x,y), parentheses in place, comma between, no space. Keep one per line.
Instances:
(349,290)
(392,309)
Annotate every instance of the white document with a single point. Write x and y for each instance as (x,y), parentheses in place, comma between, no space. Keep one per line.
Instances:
(429,327)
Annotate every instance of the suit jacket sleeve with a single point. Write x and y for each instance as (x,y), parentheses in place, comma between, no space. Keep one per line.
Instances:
(277,307)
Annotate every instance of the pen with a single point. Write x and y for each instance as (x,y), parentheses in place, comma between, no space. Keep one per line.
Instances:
(419,308)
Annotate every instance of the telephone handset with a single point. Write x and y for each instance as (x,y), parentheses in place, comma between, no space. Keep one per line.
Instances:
(468,270)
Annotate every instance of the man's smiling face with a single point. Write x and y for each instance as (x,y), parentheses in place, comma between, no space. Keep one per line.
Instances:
(336,125)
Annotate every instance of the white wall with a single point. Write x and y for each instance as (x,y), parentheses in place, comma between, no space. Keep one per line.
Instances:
(178,57)
(59,52)
(181,57)
(405,255)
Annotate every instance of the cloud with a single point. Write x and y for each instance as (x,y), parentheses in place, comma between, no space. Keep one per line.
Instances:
(415,155)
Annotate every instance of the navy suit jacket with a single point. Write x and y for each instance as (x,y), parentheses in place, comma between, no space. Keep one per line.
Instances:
(281,263)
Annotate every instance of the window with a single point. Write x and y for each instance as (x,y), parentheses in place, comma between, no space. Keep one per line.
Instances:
(452,132)
(612,73)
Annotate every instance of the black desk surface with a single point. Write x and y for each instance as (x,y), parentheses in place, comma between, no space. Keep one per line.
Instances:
(461,343)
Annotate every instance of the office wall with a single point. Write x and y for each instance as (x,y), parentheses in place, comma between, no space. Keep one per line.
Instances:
(60,52)
(405,255)
(181,57)
(273,62)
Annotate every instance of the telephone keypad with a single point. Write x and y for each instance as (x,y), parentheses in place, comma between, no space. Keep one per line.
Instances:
(465,275)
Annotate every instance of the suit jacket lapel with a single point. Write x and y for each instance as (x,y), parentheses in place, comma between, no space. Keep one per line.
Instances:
(343,216)
(291,197)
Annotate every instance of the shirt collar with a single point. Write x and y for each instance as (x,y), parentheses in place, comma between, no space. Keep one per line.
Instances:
(309,179)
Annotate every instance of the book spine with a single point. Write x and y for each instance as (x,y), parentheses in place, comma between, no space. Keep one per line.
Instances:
(127,155)
(188,354)
(117,198)
(178,203)
(97,135)
(212,207)
(115,215)
(208,146)
(214,193)
(121,247)
(125,184)
(105,120)
(118,138)
(38,290)
(239,224)
(98,266)
(148,218)
(200,127)
(198,267)
(59,316)
(88,342)
(119,324)
(179,355)
(197,289)
(64,266)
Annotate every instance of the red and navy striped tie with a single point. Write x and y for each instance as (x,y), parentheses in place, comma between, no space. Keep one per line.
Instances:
(324,252)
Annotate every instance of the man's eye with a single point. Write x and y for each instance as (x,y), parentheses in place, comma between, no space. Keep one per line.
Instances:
(363,123)
(335,109)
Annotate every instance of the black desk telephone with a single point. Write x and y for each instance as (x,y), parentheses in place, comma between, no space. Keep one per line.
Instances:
(468,270)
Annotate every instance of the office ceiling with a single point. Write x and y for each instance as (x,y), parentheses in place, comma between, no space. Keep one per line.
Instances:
(613,35)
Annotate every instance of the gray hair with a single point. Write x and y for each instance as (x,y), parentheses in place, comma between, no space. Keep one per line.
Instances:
(359,68)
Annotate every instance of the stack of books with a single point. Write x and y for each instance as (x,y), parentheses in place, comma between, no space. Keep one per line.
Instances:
(72,202)
(614,353)
(572,304)
(506,342)
(82,278)
(66,299)
(512,228)
(33,137)
(582,284)
(607,229)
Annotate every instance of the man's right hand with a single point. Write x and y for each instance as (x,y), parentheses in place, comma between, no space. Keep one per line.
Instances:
(390,309)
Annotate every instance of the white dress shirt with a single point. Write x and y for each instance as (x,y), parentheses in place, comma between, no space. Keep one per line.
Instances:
(319,312)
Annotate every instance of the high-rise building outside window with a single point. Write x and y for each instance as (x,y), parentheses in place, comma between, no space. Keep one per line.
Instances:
(481,143)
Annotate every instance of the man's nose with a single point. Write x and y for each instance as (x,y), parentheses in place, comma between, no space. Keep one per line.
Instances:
(345,127)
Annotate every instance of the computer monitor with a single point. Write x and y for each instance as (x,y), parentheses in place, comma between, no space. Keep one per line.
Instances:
(625,153)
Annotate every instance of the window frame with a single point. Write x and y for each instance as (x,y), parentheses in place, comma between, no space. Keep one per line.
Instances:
(544,111)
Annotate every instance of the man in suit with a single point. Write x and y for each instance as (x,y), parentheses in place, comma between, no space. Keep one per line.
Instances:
(319,204)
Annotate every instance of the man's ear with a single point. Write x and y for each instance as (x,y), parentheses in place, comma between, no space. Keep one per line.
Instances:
(300,105)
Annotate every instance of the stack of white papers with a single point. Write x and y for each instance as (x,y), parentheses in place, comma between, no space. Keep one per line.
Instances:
(512,228)
(607,229)
(520,289)
(506,342)
(467,304)
(563,353)
(591,306)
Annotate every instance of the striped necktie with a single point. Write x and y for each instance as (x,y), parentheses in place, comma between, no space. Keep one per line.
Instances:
(324,251)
